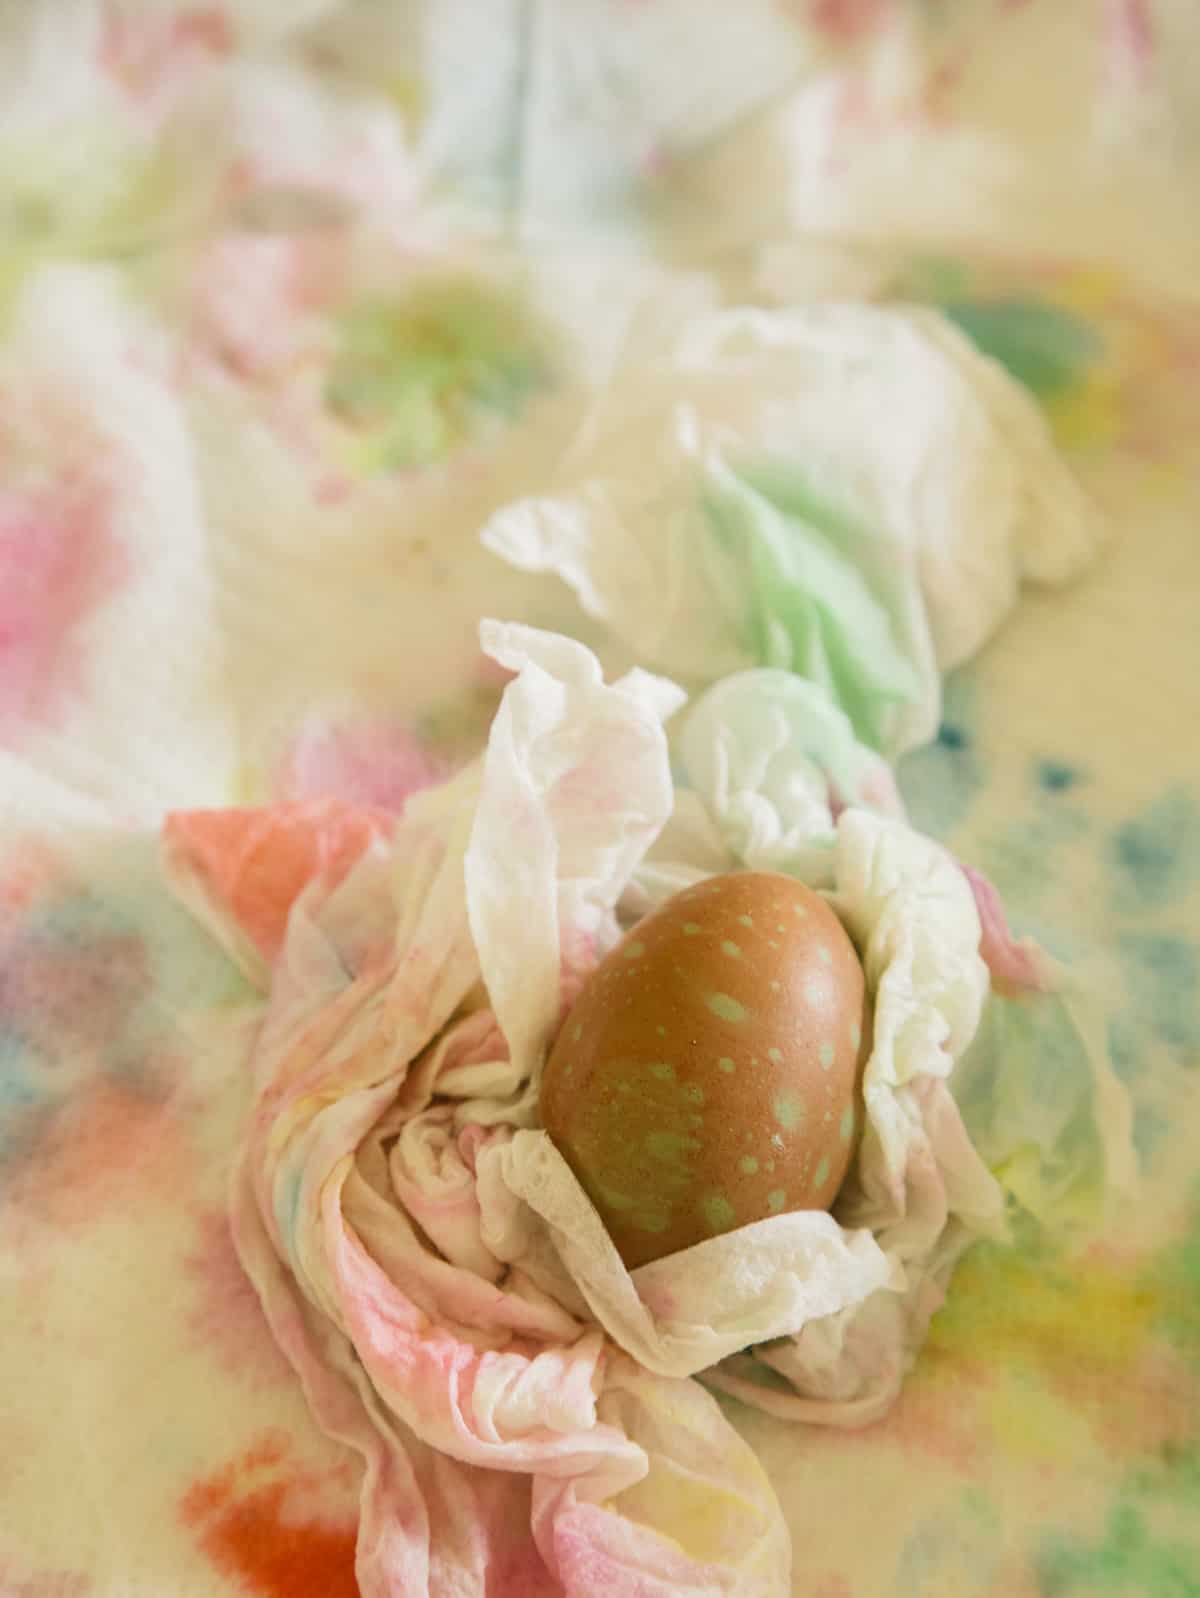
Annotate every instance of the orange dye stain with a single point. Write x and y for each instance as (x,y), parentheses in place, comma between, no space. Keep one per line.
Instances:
(261,1522)
(257,862)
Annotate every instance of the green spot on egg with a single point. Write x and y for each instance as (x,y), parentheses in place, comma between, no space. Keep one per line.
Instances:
(775,1056)
(776,1199)
(578,1032)
(856,1034)
(814,990)
(846,1128)
(691,928)
(634,950)
(824,955)
(822,1176)
(746,921)
(731,949)
(825,1055)
(670,1146)
(718,1212)
(694,1093)
(748,1164)
(652,1220)
(661,1031)
(726,1007)
(725,1064)
(789,1111)
(663,1071)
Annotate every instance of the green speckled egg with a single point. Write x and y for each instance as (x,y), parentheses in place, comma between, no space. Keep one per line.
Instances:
(707,1075)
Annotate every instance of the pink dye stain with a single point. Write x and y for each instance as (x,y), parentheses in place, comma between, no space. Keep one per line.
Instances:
(59,561)
(846,21)
(360,762)
(256,862)
(105,1146)
(149,57)
(225,1317)
(74,997)
(1129,26)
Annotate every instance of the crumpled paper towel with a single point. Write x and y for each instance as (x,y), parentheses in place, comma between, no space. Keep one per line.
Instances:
(848,492)
(427,1260)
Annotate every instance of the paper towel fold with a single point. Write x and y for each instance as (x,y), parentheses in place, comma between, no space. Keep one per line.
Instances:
(848,492)
(435,1240)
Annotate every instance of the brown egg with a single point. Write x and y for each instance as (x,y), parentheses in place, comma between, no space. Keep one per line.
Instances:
(707,1074)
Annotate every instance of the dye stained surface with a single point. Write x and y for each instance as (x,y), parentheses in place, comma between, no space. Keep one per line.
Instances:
(1048,1442)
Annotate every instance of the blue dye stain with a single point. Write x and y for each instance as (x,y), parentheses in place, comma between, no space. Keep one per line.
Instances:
(1045,347)
(941,781)
(1162,972)
(1055,776)
(1155,855)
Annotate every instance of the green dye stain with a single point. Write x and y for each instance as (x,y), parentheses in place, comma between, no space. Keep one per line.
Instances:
(661,1031)
(578,1032)
(725,1064)
(726,1007)
(653,1220)
(822,1176)
(814,990)
(789,1111)
(824,956)
(670,1146)
(1131,1558)
(775,1056)
(621,1202)
(800,910)
(825,1055)
(746,921)
(634,950)
(718,1212)
(776,1199)
(663,1071)
(856,1034)
(1044,346)
(691,928)
(846,1128)
(731,949)
(748,1165)
(694,1093)
(418,375)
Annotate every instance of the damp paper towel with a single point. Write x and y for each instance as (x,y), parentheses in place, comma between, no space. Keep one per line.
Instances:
(449,1299)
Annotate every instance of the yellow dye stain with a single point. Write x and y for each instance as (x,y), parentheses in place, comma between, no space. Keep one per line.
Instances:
(1082,1314)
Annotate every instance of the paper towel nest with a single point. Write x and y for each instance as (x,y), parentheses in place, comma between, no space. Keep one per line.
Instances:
(425,1256)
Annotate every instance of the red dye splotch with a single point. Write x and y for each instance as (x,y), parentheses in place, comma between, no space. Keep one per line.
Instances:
(279,1529)
(225,1316)
(361,762)
(257,862)
(59,561)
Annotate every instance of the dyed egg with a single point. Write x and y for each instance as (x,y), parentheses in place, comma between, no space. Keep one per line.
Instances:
(707,1074)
